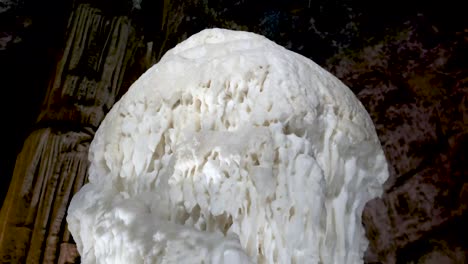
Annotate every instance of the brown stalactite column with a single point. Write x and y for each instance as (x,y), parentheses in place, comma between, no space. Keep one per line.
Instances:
(53,163)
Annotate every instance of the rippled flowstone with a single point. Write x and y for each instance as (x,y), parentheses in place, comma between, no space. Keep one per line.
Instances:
(53,163)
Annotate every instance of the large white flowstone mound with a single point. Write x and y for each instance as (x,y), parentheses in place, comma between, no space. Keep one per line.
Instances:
(231,149)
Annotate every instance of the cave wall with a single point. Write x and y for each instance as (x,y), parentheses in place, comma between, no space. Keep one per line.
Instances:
(53,163)
(405,64)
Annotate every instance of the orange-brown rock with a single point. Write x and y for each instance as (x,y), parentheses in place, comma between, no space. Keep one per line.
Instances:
(53,163)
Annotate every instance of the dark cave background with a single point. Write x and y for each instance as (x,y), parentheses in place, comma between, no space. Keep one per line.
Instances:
(406,61)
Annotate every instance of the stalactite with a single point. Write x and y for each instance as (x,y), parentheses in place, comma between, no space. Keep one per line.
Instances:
(45,173)
(89,74)
(53,163)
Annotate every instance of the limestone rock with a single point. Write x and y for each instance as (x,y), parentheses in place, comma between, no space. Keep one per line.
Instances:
(232,149)
(53,163)
(51,167)
(90,72)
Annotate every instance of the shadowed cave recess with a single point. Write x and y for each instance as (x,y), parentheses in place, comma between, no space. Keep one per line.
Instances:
(63,68)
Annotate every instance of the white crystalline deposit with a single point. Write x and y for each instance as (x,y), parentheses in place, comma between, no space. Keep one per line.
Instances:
(231,149)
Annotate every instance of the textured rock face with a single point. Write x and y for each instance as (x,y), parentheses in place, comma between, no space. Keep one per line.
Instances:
(413,85)
(53,163)
(404,63)
(230,149)
(52,167)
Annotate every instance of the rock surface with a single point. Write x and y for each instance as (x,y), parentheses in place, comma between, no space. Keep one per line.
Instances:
(404,62)
(230,140)
(53,163)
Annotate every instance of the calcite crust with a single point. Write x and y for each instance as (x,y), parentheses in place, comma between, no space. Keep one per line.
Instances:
(231,149)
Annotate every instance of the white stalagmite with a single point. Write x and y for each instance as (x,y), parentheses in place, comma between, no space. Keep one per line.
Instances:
(231,149)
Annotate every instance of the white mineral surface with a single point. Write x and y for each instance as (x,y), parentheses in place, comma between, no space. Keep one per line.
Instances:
(231,149)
